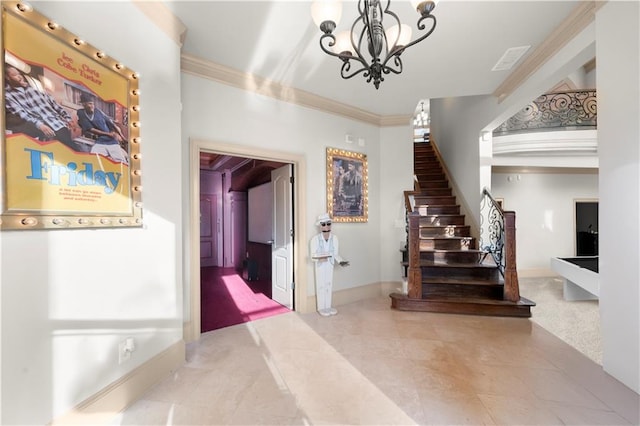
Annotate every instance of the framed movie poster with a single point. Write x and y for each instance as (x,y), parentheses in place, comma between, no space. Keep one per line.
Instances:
(70,153)
(347,186)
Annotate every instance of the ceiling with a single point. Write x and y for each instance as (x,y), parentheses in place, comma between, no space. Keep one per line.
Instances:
(278,41)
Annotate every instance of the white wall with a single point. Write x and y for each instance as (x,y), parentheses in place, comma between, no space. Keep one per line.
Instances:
(223,114)
(70,296)
(456,124)
(396,175)
(618,38)
(544,206)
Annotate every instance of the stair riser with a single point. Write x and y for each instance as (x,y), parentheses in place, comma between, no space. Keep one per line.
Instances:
(434,184)
(428,210)
(425,305)
(452,272)
(426,177)
(440,220)
(448,244)
(493,292)
(422,151)
(426,163)
(470,257)
(436,192)
(421,200)
(425,158)
(445,231)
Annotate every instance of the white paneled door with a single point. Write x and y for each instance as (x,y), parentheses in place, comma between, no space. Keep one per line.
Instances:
(282,246)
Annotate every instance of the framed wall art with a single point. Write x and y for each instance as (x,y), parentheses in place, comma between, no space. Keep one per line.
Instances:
(347,186)
(70,152)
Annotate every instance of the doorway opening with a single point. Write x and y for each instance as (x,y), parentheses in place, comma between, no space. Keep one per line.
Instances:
(246,225)
(250,158)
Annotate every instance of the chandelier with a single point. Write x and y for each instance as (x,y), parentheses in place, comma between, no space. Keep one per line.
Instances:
(370,47)
(421,120)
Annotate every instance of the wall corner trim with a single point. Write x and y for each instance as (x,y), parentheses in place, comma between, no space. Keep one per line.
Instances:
(164,19)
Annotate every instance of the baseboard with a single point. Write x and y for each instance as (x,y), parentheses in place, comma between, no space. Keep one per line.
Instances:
(384,288)
(356,294)
(536,273)
(102,407)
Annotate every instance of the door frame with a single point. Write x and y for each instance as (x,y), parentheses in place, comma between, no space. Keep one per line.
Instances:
(191,292)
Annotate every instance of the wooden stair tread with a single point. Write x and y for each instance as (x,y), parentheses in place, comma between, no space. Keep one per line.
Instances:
(469,306)
(477,251)
(471,300)
(428,225)
(442,264)
(444,237)
(463,281)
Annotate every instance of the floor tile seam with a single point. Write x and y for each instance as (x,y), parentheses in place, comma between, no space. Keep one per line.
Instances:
(572,382)
(569,404)
(585,404)
(538,405)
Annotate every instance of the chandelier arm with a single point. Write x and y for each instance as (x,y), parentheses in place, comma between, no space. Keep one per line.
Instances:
(397,52)
(421,26)
(331,43)
(390,69)
(345,69)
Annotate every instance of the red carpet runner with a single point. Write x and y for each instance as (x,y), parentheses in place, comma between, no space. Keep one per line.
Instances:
(226,299)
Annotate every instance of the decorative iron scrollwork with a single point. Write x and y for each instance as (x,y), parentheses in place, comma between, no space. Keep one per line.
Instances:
(555,110)
(492,236)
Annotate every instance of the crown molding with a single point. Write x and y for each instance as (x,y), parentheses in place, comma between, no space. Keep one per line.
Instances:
(545,170)
(210,70)
(395,120)
(581,16)
(164,19)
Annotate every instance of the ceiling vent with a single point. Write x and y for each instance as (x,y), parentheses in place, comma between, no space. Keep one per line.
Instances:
(510,57)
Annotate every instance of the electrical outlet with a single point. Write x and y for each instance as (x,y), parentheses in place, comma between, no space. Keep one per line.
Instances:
(124,354)
(125,348)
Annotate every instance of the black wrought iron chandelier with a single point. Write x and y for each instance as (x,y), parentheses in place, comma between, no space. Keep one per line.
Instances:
(369,36)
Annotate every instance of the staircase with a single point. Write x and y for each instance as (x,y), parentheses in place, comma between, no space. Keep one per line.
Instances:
(454,276)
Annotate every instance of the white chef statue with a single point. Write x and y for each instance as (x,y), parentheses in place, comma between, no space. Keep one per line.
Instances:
(324,253)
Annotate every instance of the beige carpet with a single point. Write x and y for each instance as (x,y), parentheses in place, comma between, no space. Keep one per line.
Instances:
(577,323)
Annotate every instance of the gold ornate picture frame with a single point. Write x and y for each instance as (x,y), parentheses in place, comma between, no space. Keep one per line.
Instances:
(70,147)
(347,186)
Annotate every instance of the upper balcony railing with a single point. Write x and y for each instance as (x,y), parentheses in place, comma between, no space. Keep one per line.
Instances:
(574,110)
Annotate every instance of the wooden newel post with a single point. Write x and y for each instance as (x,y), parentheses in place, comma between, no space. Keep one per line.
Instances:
(511,286)
(414,273)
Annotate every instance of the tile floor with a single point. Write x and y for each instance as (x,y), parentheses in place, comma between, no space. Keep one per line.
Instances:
(371,365)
